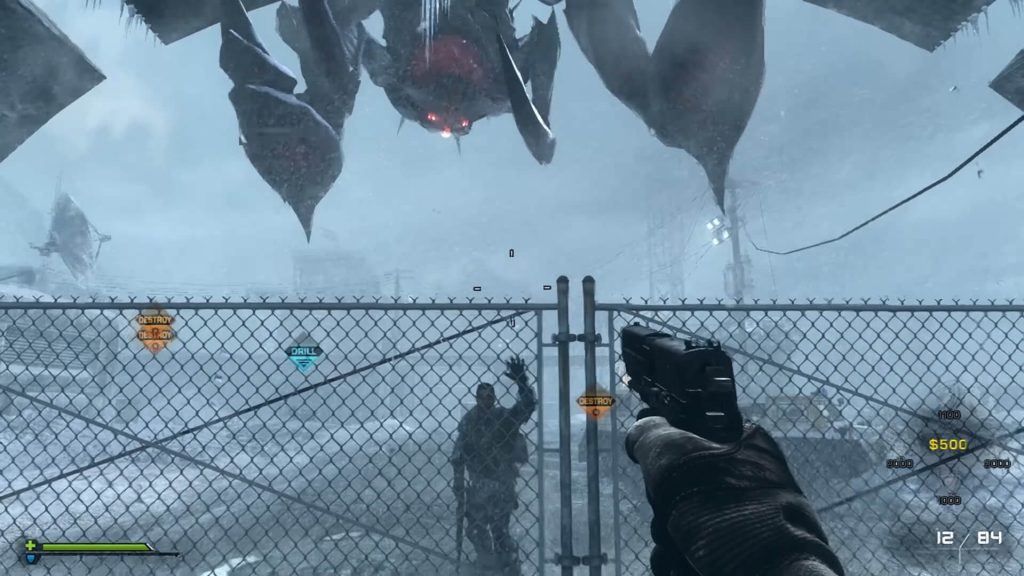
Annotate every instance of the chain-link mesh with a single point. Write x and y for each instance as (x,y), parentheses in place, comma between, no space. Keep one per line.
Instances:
(853,393)
(221,449)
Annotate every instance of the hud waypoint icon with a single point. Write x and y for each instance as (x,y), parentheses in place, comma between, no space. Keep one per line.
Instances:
(305,354)
(155,331)
(596,405)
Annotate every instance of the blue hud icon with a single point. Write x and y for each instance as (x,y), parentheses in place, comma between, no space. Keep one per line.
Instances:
(305,356)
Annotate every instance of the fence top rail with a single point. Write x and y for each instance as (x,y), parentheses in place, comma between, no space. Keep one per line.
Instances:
(813,305)
(310,304)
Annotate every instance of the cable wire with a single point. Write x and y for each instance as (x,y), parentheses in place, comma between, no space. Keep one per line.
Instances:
(901,203)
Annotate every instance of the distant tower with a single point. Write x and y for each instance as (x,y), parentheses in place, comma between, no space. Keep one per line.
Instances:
(326,269)
(666,254)
(395,277)
(397,403)
(739,281)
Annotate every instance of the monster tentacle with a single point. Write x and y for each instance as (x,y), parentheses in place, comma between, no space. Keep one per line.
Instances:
(539,52)
(706,78)
(532,124)
(698,89)
(608,33)
(293,142)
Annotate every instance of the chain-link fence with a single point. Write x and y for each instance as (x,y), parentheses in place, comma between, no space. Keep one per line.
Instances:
(860,397)
(265,438)
(247,460)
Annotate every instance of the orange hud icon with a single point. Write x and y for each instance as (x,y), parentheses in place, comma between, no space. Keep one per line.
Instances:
(596,405)
(155,330)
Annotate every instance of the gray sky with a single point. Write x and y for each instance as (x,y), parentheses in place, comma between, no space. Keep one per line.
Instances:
(850,121)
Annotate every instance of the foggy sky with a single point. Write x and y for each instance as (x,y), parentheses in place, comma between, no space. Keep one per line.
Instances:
(850,121)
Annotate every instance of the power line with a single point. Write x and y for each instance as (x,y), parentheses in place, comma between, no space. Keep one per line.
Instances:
(764,228)
(644,242)
(903,202)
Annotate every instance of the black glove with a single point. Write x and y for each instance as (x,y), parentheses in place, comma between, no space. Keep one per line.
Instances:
(515,370)
(725,509)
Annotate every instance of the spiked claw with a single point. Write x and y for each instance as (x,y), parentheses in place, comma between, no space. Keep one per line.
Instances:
(532,127)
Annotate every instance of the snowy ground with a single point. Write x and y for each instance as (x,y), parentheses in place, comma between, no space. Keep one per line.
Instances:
(378,502)
(324,493)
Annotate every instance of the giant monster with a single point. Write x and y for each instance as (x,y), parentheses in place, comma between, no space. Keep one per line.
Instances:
(468,65)
(446,69)
(697,88)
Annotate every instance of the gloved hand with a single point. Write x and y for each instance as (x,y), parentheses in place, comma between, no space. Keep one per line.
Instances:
(515,370)
(725,509)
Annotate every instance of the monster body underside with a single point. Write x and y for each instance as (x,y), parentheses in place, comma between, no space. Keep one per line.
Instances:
(695,90)
(469,68)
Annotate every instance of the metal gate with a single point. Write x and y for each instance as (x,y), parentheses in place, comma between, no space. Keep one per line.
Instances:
(220,447)
(853,392)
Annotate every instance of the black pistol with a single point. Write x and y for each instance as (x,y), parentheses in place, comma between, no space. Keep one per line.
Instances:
(687,382)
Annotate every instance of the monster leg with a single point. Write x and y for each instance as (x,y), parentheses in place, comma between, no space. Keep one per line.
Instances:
(293,143)
(707,76)
(538,59)
(608,34)
(698,89)
(327,51)
(531,115)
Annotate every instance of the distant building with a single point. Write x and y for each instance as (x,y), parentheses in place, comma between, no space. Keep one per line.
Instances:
(332,272)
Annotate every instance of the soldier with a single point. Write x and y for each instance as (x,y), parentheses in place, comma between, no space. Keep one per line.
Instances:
(490,448)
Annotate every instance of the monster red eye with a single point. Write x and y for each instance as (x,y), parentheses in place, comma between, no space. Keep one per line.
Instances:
(431,117)
(464,123)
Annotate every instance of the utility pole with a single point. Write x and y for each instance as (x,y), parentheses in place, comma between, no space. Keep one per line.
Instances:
(666,255)
(738,280)
(402,390)
(650,258)
(396,280)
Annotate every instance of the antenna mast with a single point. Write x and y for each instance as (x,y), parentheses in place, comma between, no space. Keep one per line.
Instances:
(738,280)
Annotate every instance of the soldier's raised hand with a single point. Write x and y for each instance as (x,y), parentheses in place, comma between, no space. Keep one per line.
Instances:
(515,370)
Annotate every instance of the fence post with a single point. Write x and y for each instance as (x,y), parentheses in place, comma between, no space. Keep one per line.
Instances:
(567,560)
(541,473)
(594,557)
(615,443)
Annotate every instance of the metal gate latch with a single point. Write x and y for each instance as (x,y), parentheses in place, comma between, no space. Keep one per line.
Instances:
(569,337)
(573,561)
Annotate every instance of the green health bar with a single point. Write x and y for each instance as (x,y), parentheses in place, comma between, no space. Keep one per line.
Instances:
(35,550)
